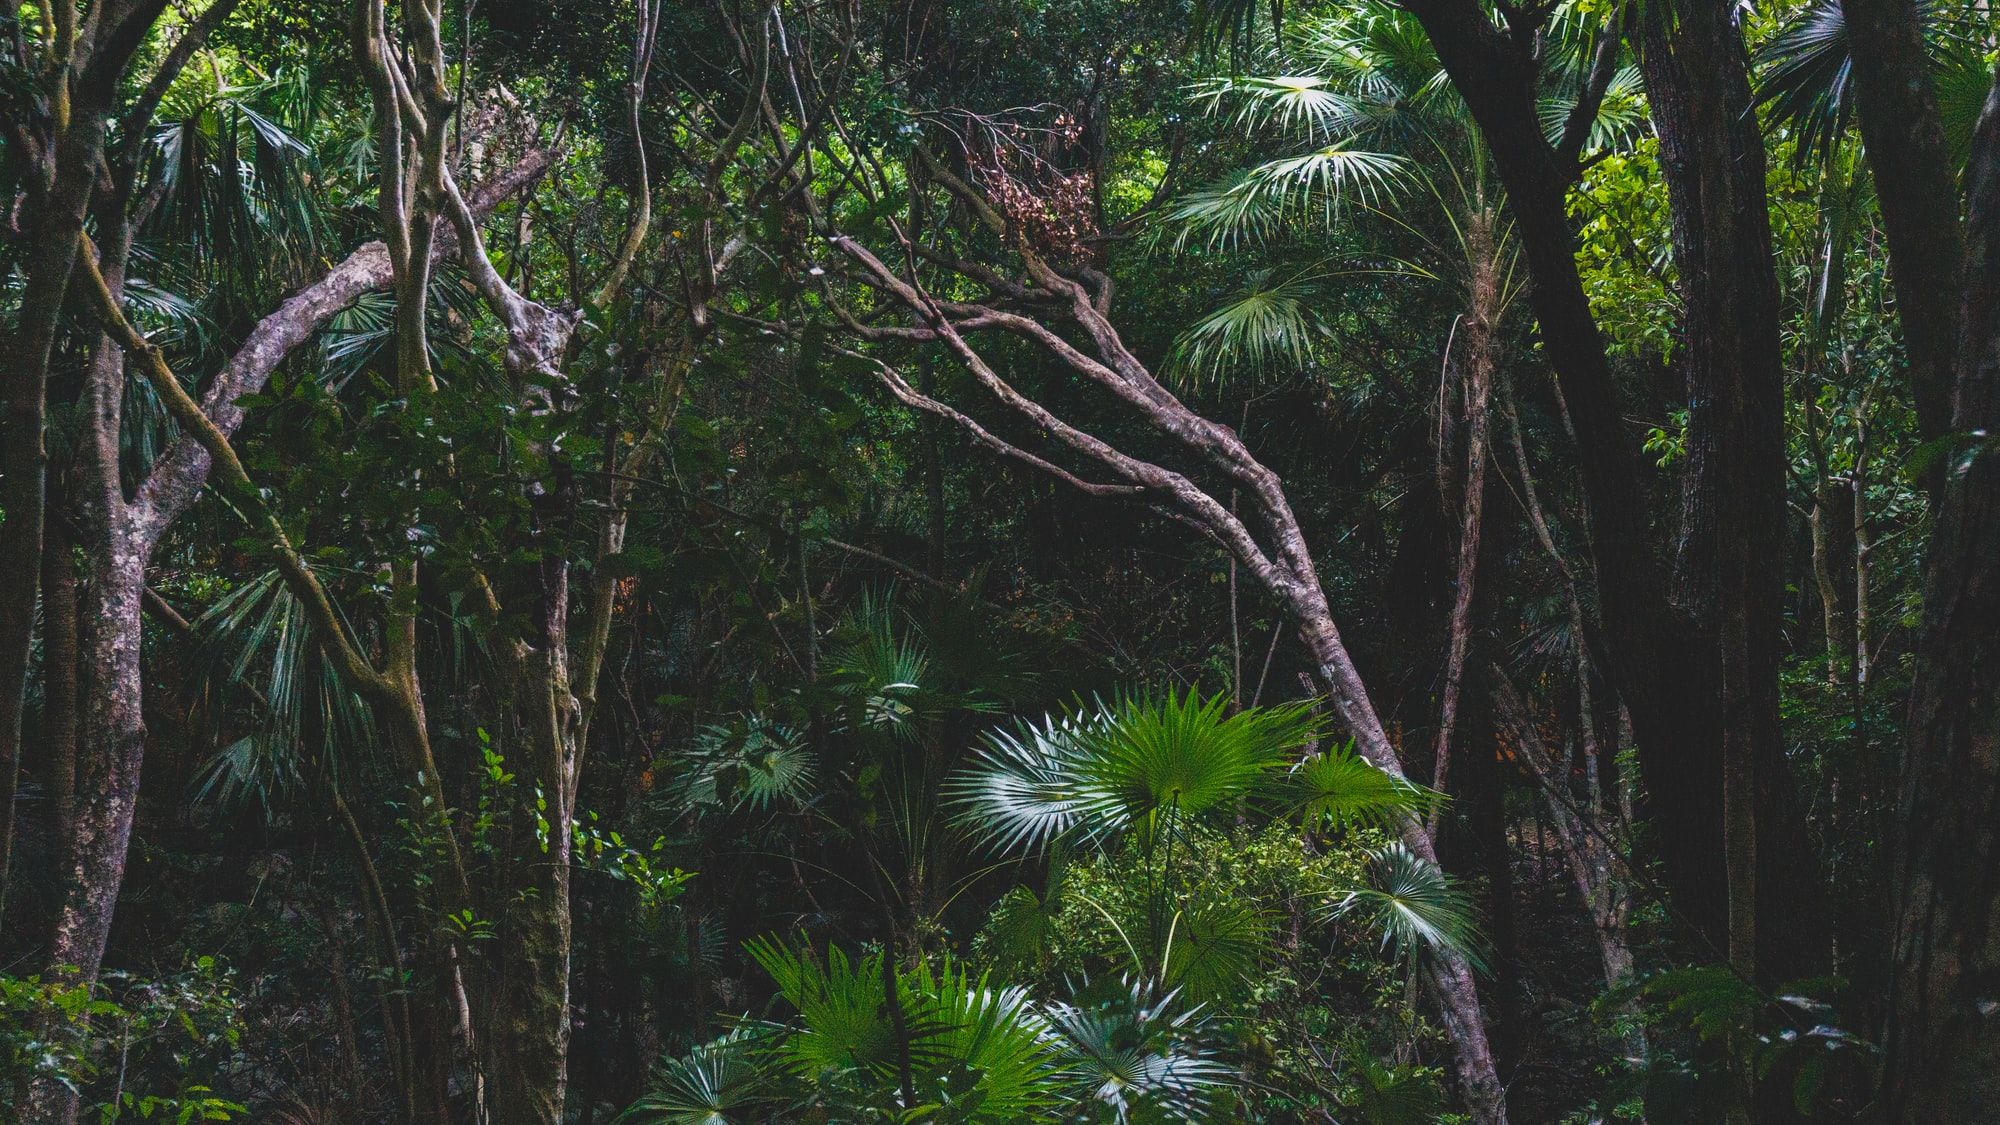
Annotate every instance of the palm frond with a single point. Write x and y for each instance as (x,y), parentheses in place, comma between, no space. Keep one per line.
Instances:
(260,642)
(1307,102)
(1027,787)
(717,1083)
(1621,115)
(843,1020)
(747,763)
(1137,1053)
(1808,78)
(981,1046)
(1253,205)
(1338,788)
(1217,948)
(1265,326)
(1125,766)
(1417,908)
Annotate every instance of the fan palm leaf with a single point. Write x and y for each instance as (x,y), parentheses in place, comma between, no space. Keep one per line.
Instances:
(1417,908)
(1338,788)
(717,1083)
(1127,766)
(1136,1053)
(1807,78)
(1266,325)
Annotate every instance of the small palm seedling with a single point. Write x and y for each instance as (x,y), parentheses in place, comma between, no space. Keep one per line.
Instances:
(745,764)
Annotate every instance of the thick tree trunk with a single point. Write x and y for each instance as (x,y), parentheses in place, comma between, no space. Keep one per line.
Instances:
(113,731)
(107,784)
(53,228)
(1942,1060)
(1916,190)
(1730,573)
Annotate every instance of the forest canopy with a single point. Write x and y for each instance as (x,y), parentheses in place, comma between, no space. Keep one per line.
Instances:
(1053,560)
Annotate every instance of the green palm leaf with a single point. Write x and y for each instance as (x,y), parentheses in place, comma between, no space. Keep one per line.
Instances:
(1288,101)
(1217,948)
(1136,1052)
(717,1083)
(1417,908)
(1265,326)
(1128,766)
(1338,788)
(1255,204)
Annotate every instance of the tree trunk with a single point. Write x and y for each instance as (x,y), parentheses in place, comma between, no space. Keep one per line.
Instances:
(53,230)
(1481,327)
(1831,526)
(1916,189)
(1729,577)
(113,732)
(60,631)
(1942,1055)
(1448,974)
(527,1040)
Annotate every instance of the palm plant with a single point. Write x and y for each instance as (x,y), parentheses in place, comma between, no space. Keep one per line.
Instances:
(940,1041)
(1370,119)
(1806,78)
(1149,771)
(873,1040)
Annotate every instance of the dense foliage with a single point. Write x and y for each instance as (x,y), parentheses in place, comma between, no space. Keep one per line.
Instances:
(1041,561)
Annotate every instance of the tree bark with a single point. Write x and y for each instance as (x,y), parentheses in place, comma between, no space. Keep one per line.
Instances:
(1671,677)
(1729,580)
(54,218)
(1481,327)
(1942,1053)
(60,698)
(1916,189)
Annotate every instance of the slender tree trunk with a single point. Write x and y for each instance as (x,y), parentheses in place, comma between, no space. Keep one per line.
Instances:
(1827,518)
(1863,548)
(1481,328)
(1449,975)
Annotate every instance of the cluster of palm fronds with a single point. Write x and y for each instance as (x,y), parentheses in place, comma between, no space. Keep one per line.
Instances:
(887,1036)
(1365,119)
(882,1042)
